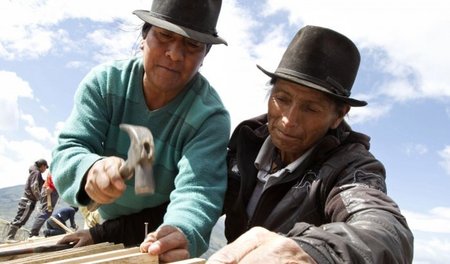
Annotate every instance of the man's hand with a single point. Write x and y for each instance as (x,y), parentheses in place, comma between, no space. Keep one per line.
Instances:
(259,245)
(168,242)
(80,238)
(104,184)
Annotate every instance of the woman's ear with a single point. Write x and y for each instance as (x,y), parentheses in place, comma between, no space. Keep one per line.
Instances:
(343,111)
(141,46)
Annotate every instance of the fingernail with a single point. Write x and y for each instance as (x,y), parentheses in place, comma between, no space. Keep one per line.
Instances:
(153,249)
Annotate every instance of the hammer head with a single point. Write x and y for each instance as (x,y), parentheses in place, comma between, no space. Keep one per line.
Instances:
(140,159)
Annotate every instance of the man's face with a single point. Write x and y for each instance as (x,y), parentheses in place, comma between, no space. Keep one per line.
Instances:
(42,168)
(298,118)
(170,60)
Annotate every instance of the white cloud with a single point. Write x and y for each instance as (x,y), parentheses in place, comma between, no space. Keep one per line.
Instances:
(437,220)
(445,162)
(431,235)
(416,149)
(18,156)
(12,88)
(370,112)
(415,48)
(431,250)
(118,47)
(39,133)
(30,29)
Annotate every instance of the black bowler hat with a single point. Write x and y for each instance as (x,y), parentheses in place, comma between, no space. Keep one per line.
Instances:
(322,59)
(194,19)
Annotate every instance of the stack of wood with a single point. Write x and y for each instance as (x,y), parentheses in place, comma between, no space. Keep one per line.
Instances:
(36,251)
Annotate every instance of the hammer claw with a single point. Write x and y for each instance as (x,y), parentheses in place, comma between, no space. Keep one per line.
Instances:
(140,158)
(139,162)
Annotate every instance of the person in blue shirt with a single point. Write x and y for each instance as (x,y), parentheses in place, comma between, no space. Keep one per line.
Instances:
(62,215)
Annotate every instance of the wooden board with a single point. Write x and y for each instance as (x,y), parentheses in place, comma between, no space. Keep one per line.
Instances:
(104,253)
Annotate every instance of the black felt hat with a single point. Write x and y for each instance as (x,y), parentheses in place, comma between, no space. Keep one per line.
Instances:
(322,59)
(195,19)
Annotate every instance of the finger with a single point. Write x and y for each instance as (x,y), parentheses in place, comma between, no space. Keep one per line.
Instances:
(147,242)
(67,239)
(174,255)
(168,238)
(165,239)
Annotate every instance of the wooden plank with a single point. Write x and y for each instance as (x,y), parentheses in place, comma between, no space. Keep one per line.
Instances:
(63,226)
(104,253)
(102,256)
(189,261)
(69,253)
(133,258)
(30,243)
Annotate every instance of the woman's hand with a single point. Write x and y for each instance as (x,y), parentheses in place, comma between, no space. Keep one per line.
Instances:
(79,239)
(104,184)
(168,242)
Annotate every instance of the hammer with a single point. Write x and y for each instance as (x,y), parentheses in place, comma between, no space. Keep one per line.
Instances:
(139,161)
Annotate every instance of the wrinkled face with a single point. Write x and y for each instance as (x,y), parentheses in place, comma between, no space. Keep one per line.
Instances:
(170,60)
(299,117)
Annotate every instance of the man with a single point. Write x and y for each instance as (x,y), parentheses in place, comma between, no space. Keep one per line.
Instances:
(30,196)
(62,215)
(302,185)
(163,91)
(49,198)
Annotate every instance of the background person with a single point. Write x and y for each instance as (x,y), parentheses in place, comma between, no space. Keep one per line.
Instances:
(164,91)
(30,196)
(62,215)
(48,200)
(303,187)
(91,218)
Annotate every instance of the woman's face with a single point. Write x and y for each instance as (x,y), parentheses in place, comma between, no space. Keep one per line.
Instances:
(170,60)
(299,117)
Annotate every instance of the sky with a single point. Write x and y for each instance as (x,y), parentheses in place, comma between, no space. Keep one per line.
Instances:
(48,46)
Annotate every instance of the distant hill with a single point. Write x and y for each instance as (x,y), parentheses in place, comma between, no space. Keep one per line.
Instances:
(9,199)
(10,196)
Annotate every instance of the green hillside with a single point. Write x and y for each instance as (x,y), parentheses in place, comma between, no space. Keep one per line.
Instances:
(10,196)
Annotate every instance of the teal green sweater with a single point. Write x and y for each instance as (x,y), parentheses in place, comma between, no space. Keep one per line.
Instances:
(190,134)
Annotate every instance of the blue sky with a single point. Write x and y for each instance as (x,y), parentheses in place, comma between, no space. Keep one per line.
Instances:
(47,46)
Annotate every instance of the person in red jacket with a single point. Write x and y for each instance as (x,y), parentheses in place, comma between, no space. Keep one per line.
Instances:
(49,198)
(30,196)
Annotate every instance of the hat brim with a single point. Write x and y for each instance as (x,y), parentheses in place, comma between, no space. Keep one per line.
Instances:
(348,100)
(186,32)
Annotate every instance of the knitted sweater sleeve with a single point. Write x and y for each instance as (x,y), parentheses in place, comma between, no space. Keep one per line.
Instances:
(80,140)
(196,203)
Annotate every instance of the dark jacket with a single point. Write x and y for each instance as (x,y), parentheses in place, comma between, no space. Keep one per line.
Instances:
(34,184)
(334,205)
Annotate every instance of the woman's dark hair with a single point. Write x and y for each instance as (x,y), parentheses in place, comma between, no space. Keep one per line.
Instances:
(339,104)
(146,27)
